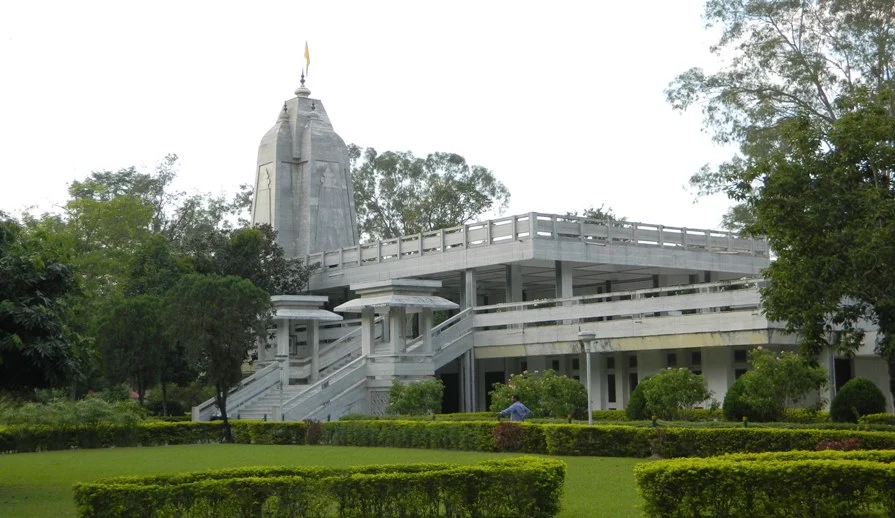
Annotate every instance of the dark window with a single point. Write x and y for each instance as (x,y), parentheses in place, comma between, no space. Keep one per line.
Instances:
(672,360)
(576,378)
(843,371)
(739,372)
(632,381)
(696,358)
(697,372)
(576,364)
(739,356)
(632,361)
(610,392)
(523,366)
(610,363)
(555,365)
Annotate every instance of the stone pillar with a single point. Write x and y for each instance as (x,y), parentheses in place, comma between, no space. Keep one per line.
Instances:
(564,280)
(397,321)
(470,294)
(599,395)
(314,343)
(426,329)
(717,368)
(283,349)
(367,330)
(514,283)
(621,381)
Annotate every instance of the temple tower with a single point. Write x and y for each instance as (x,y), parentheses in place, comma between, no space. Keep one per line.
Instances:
(303,181)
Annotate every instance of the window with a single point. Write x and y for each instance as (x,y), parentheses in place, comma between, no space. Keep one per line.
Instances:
(610,392)
(739,372)
(576,378)
(576,364)
(523,366)
(632,381)
(671,360)
(610,362)
(739,356)
(555,365)
(696,358)
(697,372)
(632,361)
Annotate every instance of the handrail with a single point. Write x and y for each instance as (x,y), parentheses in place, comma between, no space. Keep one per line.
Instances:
(251,381)
(439,329)
(536,225)
(322,384)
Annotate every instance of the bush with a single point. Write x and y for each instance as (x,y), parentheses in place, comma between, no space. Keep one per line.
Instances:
(857,398)
(420,397)
(511,487)
(546,395)
(508,436)
(90,410)
(671,390)
(821,484)
(636,409)
(314,432)
(738,403)
(877,419)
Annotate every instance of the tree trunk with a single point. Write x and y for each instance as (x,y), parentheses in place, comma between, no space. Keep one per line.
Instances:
(890,362)
(221,398)
(164,398)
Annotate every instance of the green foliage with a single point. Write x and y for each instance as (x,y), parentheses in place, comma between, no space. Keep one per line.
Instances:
(669,391)
(857,398)
(62,412)
(415,398)
(180,398)
(508,436)
(880,419)
(219,320)
(636,409)
(546,394)
(775,383)
(36,343)
(509,487)
(827,484)
(396,193)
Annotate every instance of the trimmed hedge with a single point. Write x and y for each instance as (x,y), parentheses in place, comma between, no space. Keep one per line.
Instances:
(817,484)
(522,486)
(877,419)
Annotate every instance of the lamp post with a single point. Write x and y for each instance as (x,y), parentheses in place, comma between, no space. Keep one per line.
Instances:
(586,338)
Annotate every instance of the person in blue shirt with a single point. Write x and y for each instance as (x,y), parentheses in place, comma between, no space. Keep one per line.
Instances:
(517,411)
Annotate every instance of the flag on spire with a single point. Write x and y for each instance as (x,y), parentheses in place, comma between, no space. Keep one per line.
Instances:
(307,58)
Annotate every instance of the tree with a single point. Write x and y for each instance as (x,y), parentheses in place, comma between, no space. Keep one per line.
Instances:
(783,59)
(858,397)
(396,193)
(253,253)
(669,391)
(134,342)
(218,319)
(775,383)
(598,215)
(417,398)
(36,343)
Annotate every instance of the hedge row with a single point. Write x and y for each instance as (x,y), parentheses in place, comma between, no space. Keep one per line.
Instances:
(28,438)
(810,484)
(513,487)
(552,439)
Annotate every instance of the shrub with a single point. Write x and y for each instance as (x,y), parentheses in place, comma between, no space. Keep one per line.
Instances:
(824,484)
(546,395)
(877,419)
(90,410)
(508,436)
(858,397)
(739,403)
(420,397)
(510,487)
(636,409)
(314,432)
(850,444)
(671,390)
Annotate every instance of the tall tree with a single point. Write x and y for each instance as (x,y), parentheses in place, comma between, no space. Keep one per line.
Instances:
(36,344)
(218,319)
(396,193)
(134,342)
(783,59)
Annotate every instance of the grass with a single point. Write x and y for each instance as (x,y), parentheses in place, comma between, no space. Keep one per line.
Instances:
(39,484)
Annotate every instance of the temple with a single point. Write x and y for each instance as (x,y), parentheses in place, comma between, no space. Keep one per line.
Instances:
(476,303)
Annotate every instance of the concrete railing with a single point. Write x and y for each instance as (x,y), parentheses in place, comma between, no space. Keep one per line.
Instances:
(247,389)
(740,295)
(540,226)
(335,354)
(325,391)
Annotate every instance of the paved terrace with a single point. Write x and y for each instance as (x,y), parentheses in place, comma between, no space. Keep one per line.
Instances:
(538,238)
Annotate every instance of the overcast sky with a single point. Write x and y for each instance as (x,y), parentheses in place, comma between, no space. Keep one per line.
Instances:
(562,100)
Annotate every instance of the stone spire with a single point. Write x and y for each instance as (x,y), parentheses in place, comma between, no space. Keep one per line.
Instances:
(303,182)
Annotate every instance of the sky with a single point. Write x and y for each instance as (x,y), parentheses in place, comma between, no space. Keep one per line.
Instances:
(564,101)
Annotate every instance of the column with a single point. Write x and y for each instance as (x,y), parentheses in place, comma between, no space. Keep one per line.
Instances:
(470,294)
(564,277)
(367,330)
(283,349)
(598,364)
(514,283)
(396,329)
(717,369)
(621,381)
(313,330)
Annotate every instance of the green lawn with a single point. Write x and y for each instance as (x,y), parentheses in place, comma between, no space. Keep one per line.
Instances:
(39,484)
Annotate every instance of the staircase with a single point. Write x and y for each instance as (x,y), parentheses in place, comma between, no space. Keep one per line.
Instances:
(267,406)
